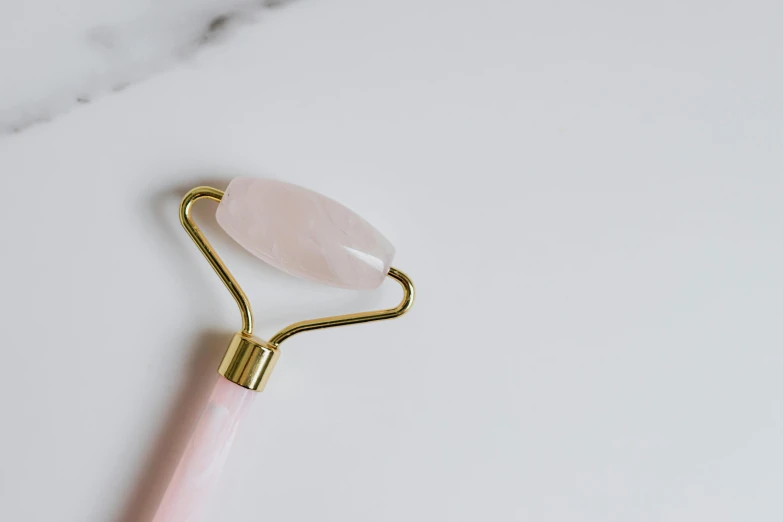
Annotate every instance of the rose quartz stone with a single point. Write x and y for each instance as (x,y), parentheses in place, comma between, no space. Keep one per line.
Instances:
(304,233)
(202,461)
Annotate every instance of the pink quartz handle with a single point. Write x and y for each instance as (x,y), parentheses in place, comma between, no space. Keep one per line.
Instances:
(202,461)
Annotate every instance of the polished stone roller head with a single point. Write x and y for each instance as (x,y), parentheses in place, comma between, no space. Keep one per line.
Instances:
(304,233)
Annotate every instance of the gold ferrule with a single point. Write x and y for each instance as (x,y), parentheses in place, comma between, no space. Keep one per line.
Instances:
(248,362)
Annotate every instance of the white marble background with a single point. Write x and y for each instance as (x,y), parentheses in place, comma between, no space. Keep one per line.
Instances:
(587,195)
(56,55)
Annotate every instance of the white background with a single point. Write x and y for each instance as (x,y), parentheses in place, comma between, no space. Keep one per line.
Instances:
(587,195)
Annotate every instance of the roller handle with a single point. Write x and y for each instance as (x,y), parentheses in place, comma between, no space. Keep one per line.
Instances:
(199,468)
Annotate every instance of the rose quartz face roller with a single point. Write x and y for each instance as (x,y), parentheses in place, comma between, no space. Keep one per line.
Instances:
(300,232)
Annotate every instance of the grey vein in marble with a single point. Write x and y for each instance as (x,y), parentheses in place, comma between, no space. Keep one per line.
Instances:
(103,49)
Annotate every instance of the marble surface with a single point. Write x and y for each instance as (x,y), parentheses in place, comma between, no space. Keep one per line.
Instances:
(586,194)
(58,55)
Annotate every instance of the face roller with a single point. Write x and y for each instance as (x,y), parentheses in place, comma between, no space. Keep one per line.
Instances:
(300,232)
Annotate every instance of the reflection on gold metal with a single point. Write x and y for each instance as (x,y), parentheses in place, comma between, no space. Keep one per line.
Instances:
(248,360)
(206,249)
(362,317)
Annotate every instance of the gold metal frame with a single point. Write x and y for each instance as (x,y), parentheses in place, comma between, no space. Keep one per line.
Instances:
(249,360)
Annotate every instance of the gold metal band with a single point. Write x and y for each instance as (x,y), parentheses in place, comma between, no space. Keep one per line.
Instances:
(201,242)
(361,317)
(249,360)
